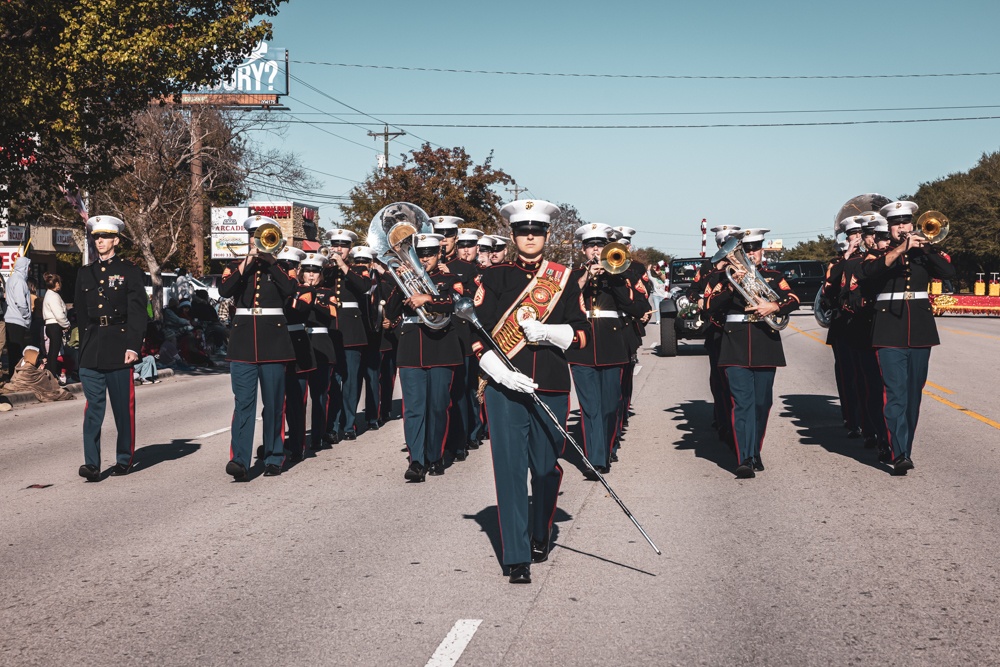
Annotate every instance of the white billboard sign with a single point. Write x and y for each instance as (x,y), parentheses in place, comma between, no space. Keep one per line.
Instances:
(229,237)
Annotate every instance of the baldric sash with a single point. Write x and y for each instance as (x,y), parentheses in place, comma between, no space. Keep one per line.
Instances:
(534,303)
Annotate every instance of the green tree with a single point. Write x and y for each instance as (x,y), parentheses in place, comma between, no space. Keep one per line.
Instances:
(76,73)
(821,249)
(971,200)
(442,181)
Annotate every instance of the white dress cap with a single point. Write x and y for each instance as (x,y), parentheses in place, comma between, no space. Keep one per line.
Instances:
(722,235)
(627,232)
(594,230)
(291,254)
(725,228)
(314,259)
(898,209)
(753,235)
(362,251)
(255,221)
(469,234)
(341,236)
(499,242)
(522,211)
(428,240)
(105,223)
(485,243)
(850,225)
(446,222)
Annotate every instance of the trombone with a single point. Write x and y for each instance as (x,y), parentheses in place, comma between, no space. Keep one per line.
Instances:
(932,226)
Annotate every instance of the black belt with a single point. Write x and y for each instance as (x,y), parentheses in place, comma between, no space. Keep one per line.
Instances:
(109,320)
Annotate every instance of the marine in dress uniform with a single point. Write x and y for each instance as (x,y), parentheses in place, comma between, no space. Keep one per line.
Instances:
(319,306)
(464,391)
(447,226)
(427,359)
(857,306)
(351,286)
(598,368)
(297,372)
(485,247)
(362,258)
(750,352)
(533,310)
(389,343)
(259,349)
(709,278)
(111,313)
(844,365)
(500,247)
(638,280)
(903,331)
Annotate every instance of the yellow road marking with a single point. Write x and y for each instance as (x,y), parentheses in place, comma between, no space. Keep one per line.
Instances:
(970,333)
(806,333)
(974,415)
(940,388)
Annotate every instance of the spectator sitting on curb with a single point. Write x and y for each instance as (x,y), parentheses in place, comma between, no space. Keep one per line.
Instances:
(30,375)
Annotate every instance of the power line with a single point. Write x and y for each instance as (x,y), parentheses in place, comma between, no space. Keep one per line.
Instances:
(650,76)
(317,126)
(684,127)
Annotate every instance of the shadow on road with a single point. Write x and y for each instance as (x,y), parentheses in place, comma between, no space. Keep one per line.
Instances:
(818,421)
(489,523)
(695,422)
(150,455)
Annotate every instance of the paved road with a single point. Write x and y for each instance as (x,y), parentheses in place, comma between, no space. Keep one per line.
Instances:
(823,559)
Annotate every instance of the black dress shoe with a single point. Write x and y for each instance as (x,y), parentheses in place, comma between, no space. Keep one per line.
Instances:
(90,473)
(745,471)
(884,454)
(351,435)
(272,470)
(520,574)
(260,451)
(373,425)
(854,433)
(589,475)
(604,470)
(332,438)
(614,457)
(415,473)
(120,469)
(472,444)
(539,551)
(295,457)
(237,470)
(758,463)
(871,442)
(436,469)
(900,466)
(461,454)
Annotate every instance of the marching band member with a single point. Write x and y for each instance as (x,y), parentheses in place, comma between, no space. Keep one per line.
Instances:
(598,368)
(750,352)
(709,279)
(362,258)
(350,286)
(858,308)
(111,313)
(904,330)
(296,373)
(320,306)
(485,248)
(447,226)
(638,280)
(259,349)
(534,313)
(836,337)
(427,360)
(387,348)
(499,253)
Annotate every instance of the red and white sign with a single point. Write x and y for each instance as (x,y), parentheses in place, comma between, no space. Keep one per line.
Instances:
(8,255)
(229,236)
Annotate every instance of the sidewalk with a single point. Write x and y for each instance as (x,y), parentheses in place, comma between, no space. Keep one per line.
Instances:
(24,397)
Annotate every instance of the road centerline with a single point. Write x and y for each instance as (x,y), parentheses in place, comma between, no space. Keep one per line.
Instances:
(453,645)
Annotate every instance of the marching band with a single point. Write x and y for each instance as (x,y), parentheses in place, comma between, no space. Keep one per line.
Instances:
(488,338)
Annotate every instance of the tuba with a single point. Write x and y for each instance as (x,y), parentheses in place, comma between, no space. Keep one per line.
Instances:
(751,284)
(615,258)
(390,236)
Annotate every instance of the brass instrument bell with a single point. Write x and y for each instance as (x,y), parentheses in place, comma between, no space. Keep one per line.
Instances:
(933,226)
(615,258)
(268,238)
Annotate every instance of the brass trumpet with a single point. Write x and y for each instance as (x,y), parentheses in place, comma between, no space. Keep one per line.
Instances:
(932,226)
(268,239)
(615,258)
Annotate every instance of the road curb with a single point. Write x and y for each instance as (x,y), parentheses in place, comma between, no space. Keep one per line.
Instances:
(24,397)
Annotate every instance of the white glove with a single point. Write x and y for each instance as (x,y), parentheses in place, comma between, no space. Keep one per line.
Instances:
(491,364)
(559,335)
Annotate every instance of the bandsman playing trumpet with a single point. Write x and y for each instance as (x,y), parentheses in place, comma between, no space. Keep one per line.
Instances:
(904,331)
(259,349)
(751,345)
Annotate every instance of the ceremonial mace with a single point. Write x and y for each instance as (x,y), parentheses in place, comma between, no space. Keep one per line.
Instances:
(466,311)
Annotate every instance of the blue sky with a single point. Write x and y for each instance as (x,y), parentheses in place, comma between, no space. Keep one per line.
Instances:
(660,181)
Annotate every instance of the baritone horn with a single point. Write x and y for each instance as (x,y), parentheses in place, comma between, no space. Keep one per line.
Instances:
(615,258)
(267,238)
(932,226)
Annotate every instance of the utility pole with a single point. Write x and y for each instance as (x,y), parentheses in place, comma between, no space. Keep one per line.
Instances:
(197,224)
(516,190)
(387,136)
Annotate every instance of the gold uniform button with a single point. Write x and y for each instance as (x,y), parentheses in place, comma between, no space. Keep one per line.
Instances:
(100,305)
(104,268)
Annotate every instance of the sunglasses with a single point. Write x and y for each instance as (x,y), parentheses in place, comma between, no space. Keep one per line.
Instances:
(428,252)
(448,233)
(753,247)
(104,235)
(597,243)
(311,269)
(340,244)
(466,244)
(530,231)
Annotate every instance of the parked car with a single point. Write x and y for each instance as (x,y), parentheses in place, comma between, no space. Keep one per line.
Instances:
(804,276)
(209,283)
(680,317)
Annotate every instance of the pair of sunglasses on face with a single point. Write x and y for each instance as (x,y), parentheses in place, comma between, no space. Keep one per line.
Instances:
(597,243)
(428,252)
(753,246)
(448,233)
(103,235)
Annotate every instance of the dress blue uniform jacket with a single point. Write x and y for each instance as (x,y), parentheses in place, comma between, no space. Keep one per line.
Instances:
(608,345)
(115,291)
(419,345)
(258,339)
(352,323)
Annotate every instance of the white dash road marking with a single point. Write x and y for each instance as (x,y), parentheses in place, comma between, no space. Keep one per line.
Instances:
(451,648)
(636,370)
(217,432)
